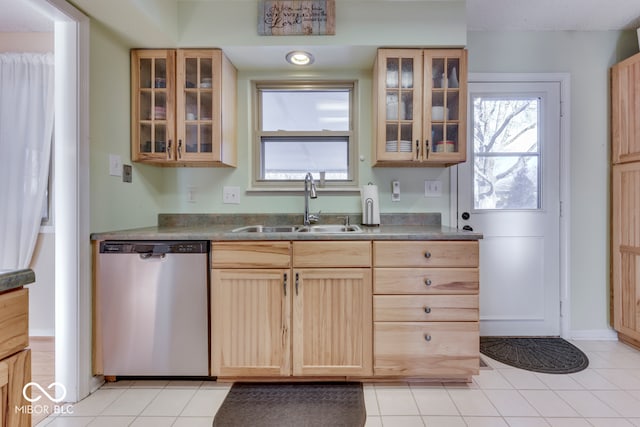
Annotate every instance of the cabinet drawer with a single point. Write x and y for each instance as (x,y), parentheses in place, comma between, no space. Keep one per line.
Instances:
(420,308)
(425,254)
(14,321)
(425,280)
(426,349)
(332,254)
(250,254)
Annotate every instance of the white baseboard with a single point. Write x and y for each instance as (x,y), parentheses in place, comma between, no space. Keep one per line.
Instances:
(594,334)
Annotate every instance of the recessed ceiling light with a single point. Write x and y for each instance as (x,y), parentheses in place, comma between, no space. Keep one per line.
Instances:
(299,57)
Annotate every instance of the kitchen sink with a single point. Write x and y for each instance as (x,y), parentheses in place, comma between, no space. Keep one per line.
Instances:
(330,228)
(266,229)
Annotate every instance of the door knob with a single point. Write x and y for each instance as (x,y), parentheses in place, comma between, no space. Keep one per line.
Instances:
(465,215)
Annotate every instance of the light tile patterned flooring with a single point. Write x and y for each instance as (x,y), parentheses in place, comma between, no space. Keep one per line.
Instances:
(607,394)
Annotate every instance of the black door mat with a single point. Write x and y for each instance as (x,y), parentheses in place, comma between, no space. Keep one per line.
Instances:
(537,354)
(292,404)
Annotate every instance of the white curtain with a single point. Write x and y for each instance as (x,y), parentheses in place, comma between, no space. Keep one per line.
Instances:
(26,129)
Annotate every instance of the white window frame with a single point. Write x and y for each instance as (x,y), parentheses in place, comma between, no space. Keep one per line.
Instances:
(297,185)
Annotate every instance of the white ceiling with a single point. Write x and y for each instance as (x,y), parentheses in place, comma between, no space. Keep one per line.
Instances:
(482,15)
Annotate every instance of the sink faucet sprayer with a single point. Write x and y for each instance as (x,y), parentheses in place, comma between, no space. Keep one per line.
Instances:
(309,192)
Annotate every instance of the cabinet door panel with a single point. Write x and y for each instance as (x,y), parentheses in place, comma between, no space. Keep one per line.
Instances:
(199,83)
(152,105)
(17,372)
(626,249)
(250,333)
(445,105)
(625,108)
(398,104)
(332,322)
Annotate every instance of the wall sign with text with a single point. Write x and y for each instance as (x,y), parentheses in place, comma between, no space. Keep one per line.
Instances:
(296,17)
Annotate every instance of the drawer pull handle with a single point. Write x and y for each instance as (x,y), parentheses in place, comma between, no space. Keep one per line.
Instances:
(427,282)
(427,337)
(427,255)
(427,310)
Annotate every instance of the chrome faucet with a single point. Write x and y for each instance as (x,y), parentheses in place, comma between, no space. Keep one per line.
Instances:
(309,192)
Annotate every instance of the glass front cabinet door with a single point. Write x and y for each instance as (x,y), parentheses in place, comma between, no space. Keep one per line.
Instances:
(420,97)
(152,105)
(198,122)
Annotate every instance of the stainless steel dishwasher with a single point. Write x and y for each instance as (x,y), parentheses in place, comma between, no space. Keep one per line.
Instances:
(153,307)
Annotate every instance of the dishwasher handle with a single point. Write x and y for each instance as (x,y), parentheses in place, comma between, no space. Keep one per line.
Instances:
(149,255)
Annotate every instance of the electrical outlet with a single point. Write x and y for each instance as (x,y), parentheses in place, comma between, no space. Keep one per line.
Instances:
(115,165)
(231,195)
(126,173)
(432,188)
(191,194)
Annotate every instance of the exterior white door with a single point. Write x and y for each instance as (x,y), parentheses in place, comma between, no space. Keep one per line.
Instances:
(509,190)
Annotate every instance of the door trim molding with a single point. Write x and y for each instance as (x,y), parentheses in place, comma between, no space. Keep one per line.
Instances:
(565,178)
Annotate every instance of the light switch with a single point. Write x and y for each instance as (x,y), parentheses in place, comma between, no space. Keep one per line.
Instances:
(115,165)
(432,188)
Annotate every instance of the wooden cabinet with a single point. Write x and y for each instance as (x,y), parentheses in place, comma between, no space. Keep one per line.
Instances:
(251,309)
(15,361)
(420,107)
(625,262)
(625,110)
(269,319)
(625,191)
(250,332)
(425,309)
(15,372)
(332,308)
(183,107)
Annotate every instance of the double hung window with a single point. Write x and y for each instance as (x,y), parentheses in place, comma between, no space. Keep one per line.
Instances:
(304,127)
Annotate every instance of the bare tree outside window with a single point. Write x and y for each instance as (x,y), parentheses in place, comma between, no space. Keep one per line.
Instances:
(506,153)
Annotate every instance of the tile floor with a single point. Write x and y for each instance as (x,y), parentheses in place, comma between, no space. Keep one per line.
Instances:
(607,394)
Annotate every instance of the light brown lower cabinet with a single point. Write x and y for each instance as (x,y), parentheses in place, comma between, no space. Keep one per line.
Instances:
(15,360)
(250,324)
(319,309)
(15,372)
(426,309)
(332,322)
(625,257)
(278,322)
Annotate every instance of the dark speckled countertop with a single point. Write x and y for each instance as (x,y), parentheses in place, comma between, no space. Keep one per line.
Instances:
(11,279)
(218,227)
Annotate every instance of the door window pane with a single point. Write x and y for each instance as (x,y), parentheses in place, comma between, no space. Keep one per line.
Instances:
(506,151)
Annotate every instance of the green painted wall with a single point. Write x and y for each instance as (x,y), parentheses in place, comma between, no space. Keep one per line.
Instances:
(587,56)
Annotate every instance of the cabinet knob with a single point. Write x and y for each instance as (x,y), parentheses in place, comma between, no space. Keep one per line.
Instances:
(427,282)
(427,310)
(427,254)
(427,337)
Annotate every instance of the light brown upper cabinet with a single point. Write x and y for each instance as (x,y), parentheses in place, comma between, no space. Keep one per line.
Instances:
(420,107)
(625,108)
(183,107)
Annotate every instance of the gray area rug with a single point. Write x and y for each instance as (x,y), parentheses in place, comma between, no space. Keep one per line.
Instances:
(292,404)
(537,354)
